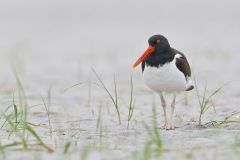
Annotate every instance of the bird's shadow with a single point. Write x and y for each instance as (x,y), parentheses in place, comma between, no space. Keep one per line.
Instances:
(188,126)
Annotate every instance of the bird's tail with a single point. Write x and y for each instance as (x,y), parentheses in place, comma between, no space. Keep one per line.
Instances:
(189,85)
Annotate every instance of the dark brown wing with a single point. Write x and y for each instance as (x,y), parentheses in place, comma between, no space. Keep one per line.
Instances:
(182,64)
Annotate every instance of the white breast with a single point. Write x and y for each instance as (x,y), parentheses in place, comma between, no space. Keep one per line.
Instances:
(166,78)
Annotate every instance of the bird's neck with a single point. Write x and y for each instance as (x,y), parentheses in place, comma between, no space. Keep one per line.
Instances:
(159,58)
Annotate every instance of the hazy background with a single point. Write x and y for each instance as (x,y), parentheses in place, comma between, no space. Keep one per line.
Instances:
(54,43)
(59,40)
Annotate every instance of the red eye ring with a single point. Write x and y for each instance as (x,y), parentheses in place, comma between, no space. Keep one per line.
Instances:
(158,41)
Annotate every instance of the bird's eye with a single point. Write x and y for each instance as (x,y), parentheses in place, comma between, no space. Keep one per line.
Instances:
(158,41)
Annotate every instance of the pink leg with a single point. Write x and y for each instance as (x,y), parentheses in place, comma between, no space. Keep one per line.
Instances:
(171,125)
(164,111)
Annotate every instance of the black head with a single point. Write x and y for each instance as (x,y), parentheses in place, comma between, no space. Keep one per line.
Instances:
(159,42)
(157,53)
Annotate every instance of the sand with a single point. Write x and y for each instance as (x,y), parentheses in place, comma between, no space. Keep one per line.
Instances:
(54,45)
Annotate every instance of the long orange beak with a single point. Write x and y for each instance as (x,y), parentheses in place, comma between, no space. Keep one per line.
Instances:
(144,56)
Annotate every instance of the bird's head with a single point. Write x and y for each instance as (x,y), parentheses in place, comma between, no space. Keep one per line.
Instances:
(157,44)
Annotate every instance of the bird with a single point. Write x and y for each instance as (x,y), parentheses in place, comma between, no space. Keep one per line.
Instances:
(165,70)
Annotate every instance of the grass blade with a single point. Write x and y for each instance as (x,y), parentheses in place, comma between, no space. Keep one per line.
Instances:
(34,134)
(66,147)
(131,104)
(114,101)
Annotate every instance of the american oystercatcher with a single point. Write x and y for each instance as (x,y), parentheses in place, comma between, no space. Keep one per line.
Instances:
(165,69)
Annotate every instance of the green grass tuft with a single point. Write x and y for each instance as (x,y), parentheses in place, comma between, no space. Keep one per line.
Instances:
(47,108)
(131,104)
(205,100)
(16,121)
(153,146)
(114,100)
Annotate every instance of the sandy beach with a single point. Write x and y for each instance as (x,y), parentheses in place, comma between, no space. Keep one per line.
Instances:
(55,45)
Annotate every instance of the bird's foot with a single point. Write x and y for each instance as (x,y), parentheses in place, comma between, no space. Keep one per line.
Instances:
(168,126)
(164,126)
(171,126)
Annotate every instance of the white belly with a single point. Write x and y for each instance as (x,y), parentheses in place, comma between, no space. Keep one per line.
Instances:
(166,78)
